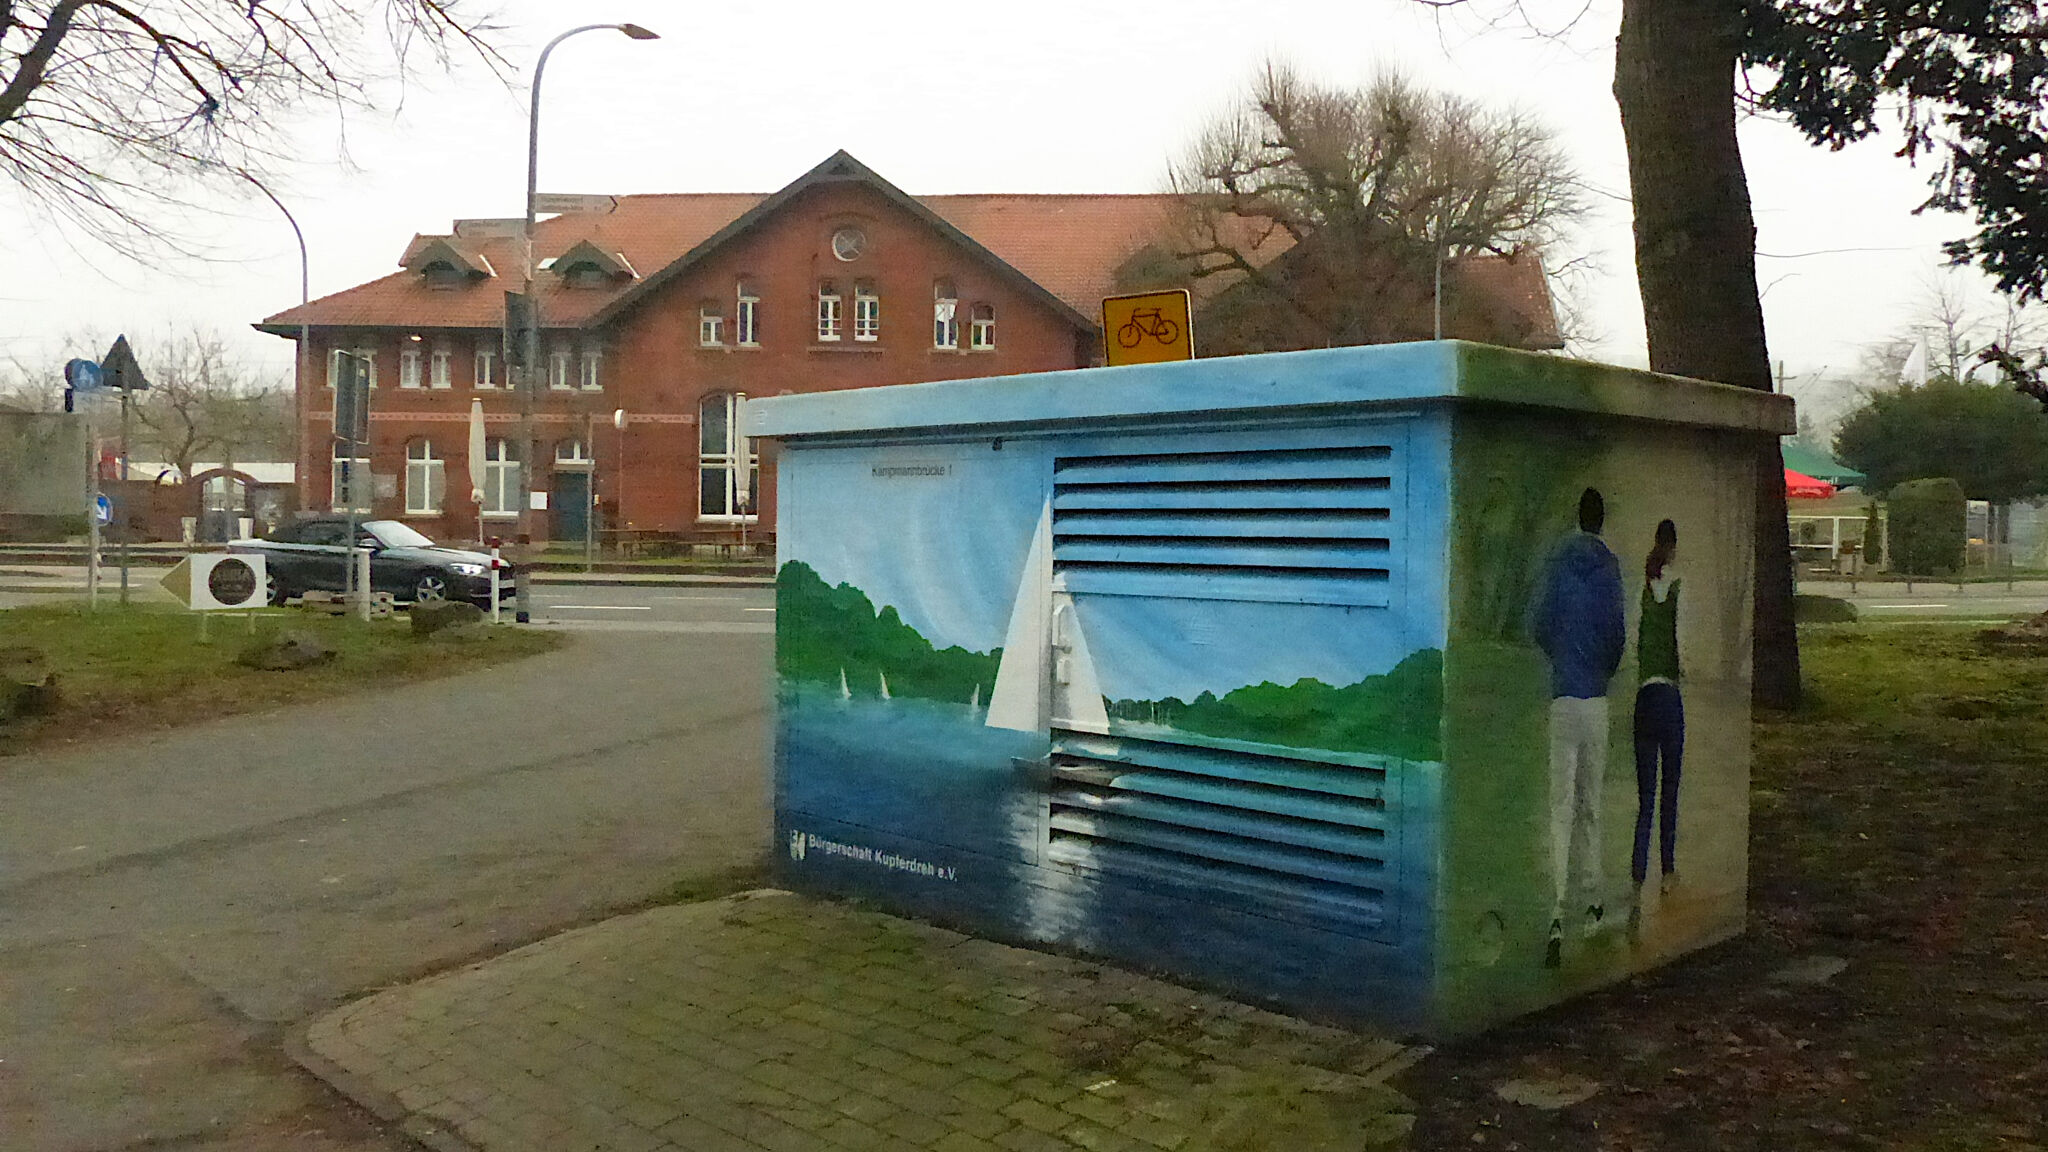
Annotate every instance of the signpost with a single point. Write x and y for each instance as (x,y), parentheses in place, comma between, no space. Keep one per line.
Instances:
(1148,328)
(84,384)
(352,435)
(119,369)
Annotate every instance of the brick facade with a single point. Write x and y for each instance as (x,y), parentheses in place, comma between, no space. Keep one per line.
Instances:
(630,288)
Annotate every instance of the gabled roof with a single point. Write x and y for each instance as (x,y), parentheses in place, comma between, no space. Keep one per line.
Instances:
(842,168)
(1066,249)
(426,251)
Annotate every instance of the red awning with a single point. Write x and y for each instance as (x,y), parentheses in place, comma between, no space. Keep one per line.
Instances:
(1802,486)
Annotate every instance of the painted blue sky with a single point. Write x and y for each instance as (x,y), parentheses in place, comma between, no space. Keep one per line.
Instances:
(947,551)
(1149,649)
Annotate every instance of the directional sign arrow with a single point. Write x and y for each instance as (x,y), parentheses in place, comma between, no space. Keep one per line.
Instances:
(179,581)
(573,202)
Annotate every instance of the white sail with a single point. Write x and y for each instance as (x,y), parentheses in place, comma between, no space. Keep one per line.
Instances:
(885,683)
(845,693)
(1018,700)
(976,702)
(1077,691)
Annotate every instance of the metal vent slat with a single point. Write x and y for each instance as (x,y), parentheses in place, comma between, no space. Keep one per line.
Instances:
(1265,893)
(1216,846)
(1360,524)
(1252,797)
(1314,834)
(1291,830)
(1292,773)
(1368,493)
(1296,525)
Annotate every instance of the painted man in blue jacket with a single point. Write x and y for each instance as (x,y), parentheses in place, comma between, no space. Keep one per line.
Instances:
(1577,622)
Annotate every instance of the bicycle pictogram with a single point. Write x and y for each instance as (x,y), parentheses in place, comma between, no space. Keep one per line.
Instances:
(1147,322)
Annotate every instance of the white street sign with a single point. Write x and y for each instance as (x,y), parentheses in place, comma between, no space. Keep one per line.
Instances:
(574,202)
(211,581)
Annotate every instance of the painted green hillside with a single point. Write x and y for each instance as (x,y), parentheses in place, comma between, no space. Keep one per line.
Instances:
(822,631)
(1396,714)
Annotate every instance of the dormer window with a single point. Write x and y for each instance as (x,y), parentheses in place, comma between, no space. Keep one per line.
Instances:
(445,261)
(587,266)
(442,274)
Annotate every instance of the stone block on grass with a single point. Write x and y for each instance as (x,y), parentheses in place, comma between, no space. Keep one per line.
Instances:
(434,616)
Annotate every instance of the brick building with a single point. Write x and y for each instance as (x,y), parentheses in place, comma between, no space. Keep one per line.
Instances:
(675,308)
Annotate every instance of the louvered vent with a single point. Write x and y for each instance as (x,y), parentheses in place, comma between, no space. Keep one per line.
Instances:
(1290,837)
(1306,526)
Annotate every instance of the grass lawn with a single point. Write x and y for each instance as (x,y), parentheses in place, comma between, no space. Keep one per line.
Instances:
(123,670)
(1900,824)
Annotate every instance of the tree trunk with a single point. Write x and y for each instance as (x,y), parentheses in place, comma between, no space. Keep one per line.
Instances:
(1674,80)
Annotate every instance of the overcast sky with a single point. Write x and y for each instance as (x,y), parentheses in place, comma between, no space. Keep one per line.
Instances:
(1051,96)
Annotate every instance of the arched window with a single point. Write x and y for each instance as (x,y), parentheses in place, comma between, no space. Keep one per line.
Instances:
(501,478)
(982,336)
(426,479)
(728,468)
(945,315)
(350,478)
(828,310)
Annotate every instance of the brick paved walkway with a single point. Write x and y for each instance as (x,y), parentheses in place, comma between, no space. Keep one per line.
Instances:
(770,1021)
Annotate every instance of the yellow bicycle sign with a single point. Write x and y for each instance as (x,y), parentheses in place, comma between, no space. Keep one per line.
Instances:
(1147,328)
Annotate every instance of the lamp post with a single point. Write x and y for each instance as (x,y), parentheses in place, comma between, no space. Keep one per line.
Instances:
(305,345)
(529,370)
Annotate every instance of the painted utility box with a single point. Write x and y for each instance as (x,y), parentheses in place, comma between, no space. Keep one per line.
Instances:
(1405,685)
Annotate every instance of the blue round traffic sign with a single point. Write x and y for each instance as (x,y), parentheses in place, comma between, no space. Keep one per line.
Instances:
(83,376)
(103,509)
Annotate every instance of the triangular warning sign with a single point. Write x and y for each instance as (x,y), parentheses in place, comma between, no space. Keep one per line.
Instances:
(119,369)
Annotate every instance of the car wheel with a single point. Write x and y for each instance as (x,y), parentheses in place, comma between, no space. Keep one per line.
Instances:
(275,590)
(430,589)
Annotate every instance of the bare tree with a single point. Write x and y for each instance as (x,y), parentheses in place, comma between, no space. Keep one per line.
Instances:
(204,405)
(109,109)
(1320,215)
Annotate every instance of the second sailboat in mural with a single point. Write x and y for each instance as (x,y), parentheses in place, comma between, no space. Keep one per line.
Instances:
(1045,626)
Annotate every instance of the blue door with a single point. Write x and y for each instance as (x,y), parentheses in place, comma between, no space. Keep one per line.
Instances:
(571,503)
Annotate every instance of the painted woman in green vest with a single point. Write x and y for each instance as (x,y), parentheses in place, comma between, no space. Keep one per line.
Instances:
(1660,712)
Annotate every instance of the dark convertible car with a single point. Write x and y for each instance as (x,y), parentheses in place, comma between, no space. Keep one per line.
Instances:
(312,555)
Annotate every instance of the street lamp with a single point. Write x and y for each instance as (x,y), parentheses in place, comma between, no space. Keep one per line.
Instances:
(531,339)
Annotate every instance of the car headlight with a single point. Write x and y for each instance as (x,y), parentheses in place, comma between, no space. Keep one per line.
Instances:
(468,569)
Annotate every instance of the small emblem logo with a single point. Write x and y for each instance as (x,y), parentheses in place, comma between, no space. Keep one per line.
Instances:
(796,846)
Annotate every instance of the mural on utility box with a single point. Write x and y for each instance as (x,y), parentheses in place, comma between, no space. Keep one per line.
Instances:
(1338,712)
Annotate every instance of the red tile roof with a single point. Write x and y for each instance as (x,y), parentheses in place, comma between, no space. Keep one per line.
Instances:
(1070,245)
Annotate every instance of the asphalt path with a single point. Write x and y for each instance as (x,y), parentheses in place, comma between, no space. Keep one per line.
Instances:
(1933,601)
(174,906)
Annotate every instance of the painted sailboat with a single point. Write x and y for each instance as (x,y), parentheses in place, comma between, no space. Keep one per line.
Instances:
(975,703)
(885,682)
(845,693)
(1018,700)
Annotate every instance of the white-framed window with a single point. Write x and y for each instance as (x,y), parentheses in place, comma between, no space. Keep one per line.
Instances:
(590,371)
(828,311)
(334,364)
(409,366)
(441,368)
(945,315)
(501,478)
(710,327)
(558,369)
(981,335)
(728,468)
(867,312)
(572,452)
(486,366)
(350,474)
(746,319)
(426,479)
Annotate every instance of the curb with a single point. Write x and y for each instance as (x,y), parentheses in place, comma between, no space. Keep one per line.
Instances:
(382,1105)
(651,580)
